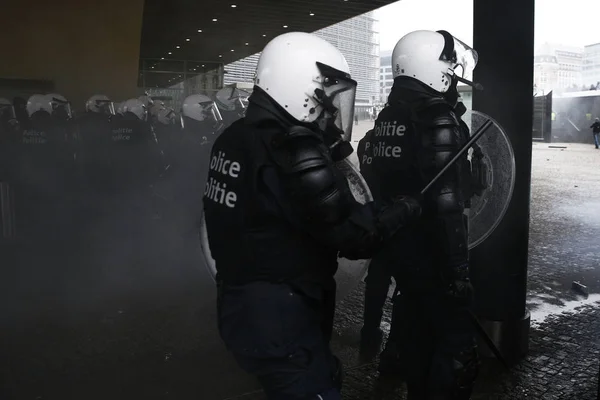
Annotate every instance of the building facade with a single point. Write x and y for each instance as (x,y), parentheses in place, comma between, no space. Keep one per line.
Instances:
(358,40)
(591,66)
(386,80)
(545,77)
(570,65)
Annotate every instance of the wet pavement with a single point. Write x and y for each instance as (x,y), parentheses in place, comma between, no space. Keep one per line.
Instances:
(124,309)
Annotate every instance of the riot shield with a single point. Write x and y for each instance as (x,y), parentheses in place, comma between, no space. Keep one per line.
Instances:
(493,166)
(350,271)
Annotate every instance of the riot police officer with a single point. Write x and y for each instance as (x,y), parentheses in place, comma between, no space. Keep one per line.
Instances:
(378,279)
(44,162)
(201,122)
(9,125)
(278,211)
(136,158)
(94,128)
(167,127)
(431,341)
(232,102)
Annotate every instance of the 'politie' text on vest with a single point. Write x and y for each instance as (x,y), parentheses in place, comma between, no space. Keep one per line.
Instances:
(216,190)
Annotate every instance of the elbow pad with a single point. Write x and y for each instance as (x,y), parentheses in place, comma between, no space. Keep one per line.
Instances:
(442,141)
(319,191)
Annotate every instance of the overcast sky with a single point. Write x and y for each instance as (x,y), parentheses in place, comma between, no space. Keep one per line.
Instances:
(576,24)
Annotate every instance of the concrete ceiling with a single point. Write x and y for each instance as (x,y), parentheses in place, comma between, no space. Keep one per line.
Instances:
(245,28)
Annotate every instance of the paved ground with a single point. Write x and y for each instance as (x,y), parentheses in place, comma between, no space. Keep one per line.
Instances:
(564,353)
(123,309)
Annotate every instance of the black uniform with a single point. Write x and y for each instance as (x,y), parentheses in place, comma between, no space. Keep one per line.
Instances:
(168,137)
(415,136)
(379,278)
(277,213)
(43,167)
(95,139)
(135,157)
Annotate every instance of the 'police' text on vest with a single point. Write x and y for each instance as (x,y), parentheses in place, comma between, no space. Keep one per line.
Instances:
(216,190)
(379,148)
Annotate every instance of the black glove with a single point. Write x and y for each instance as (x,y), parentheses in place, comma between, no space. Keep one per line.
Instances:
(403,211)
(458,284)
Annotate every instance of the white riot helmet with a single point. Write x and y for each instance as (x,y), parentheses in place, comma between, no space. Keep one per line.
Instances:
(233,98)
(6,109)
(119,108)
(38,102)
(310,79)
(100,103)
(146,100)
(136,107)
(436,59)
(202,109)
(156,107)
(60,105)
(166,116)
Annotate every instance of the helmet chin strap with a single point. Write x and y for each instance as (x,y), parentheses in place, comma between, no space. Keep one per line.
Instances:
(477,86)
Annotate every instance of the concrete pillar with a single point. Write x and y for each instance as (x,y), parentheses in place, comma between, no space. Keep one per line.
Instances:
(503,36)
(84,47)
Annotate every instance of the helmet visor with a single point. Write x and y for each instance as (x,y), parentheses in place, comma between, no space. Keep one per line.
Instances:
(462,56)
(338,97)
(106,106)
(211,112)
(61,108)
(167,116)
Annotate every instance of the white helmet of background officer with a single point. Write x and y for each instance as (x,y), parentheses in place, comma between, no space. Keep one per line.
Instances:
(137,108)
(310,79)
(436,59)
(156,107)
(60,103)
(232,99)
(147,101)
(38,102)
(201,108)
(166,116)
(119,108)
(100,103)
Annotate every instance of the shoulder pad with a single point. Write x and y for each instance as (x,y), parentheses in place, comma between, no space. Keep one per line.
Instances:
(296,133)
(445,119)
(299,149)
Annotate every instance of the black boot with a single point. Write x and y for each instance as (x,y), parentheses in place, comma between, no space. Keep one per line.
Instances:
(390,361)
(370,343)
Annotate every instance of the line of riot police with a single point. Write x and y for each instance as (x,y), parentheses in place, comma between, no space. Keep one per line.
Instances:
(51,156)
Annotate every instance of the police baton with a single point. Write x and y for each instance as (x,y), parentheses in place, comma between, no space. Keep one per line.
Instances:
(480,330)
(482,129)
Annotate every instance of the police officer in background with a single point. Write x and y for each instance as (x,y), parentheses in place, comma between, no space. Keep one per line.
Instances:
(43,165)
(94,131)
(431,340)
(9,136)
(136,158)
(9,125)
(379,279)
(167,126)
(232,103)
(64,127)
(201,122)
(278,212)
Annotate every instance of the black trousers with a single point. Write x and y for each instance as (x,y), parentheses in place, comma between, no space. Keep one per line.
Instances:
(436,341)
(281,334)
(378,283)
